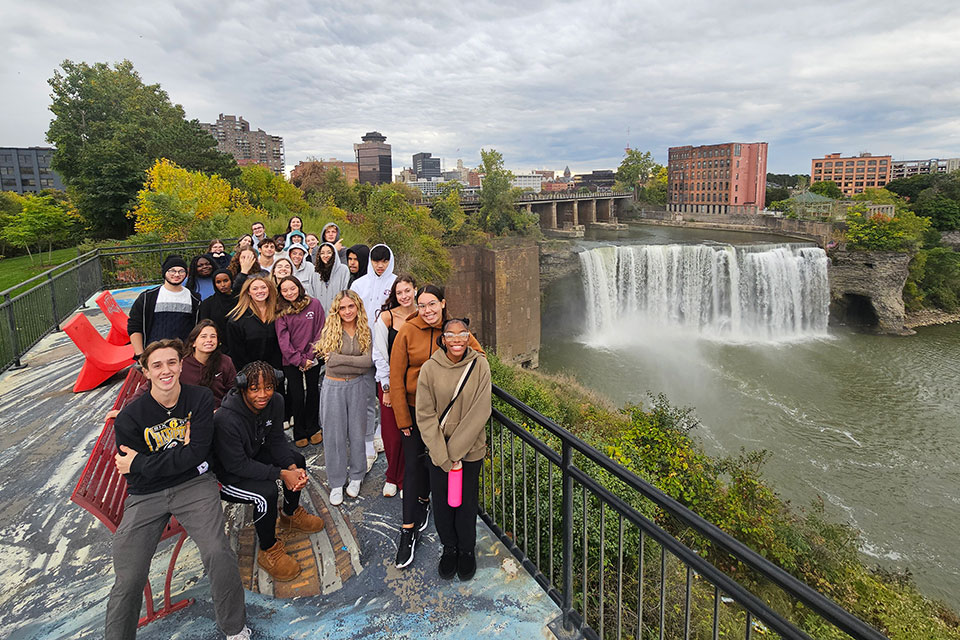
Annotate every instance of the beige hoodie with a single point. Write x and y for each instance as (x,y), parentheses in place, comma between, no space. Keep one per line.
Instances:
(464,435)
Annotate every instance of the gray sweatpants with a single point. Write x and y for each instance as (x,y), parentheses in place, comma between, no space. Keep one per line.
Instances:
(343,405)
(373,411)
(196,504)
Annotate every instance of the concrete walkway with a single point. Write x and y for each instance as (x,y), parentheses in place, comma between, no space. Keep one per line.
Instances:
(55,561)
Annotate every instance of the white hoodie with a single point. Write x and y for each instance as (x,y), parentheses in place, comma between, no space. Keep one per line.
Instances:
(373,289)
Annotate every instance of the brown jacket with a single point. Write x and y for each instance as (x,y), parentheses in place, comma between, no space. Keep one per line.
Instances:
(415,343)
(463,435)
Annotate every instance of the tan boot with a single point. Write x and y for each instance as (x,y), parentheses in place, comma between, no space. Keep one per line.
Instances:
(301,521)
(316,438)
(277,563)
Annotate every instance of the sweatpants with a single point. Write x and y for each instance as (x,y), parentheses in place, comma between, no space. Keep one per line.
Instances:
(263,494)
(373,408)
(196,505)
(416,478)
(457,527)
(304,404)
(392,446)
(344,413)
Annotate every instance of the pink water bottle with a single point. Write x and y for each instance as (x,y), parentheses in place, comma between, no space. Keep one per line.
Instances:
(455,487)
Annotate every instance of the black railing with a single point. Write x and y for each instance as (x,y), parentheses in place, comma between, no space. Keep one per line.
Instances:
(135,265)
(604,558)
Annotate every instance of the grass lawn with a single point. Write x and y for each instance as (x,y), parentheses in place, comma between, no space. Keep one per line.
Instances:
(15,270)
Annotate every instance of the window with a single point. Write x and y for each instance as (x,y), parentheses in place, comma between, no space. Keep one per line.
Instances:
(827,164)
(28,182)
(6,157)
(10,182)
(871,162)
(860,163)
(818,164)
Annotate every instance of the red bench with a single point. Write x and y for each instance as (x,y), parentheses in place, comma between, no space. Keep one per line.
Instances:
(101,359)
(102,491)
(118,319)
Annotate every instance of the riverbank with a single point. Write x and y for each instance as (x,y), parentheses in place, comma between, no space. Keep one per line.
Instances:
(929,318)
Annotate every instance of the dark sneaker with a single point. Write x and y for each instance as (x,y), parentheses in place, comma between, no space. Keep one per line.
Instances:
(466,565)
(448,563)
(424,516)
(406,545)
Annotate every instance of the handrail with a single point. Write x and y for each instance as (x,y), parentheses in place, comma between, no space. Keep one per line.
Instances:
(826,608)
(45,275)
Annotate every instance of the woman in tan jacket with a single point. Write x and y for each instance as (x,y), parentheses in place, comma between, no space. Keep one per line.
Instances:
(453,406)
(415,343)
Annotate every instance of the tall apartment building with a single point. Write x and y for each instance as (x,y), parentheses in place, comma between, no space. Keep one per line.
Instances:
(527,181)
(908,168)
(233,136)
(27,170)
(425,166)
(374,159)
(349,170)
(852,174)
(717,178)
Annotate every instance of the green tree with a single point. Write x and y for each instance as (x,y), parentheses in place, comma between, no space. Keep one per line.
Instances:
(271,192)
(903,231)
(654,191)
(109,128)
(498,213)
(911,187)
(786,180)
(326,186)
(636,167)
(41,221)
(448,212)
(827,189)
(776,194)
(10,206)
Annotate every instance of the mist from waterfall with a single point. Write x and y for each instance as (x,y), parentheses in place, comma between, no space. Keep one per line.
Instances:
(752,293)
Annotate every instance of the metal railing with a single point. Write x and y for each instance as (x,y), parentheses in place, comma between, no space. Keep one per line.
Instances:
(604,558)
(135,265)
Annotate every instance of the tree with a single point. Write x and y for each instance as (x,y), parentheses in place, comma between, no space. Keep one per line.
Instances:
(322,186)
(827,189)
(498,213)
(786,180)
(448,212)
(911,187)
(41,221)
(655,189)
(109,128)
(636,167)
(271,192)
(903,231)
(776,194)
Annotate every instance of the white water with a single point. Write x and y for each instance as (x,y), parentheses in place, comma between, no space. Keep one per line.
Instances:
(764,292)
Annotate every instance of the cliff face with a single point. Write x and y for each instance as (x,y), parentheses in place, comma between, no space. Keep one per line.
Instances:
(866,289)
(557,261)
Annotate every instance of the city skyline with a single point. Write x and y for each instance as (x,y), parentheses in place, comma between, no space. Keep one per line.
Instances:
(546,84)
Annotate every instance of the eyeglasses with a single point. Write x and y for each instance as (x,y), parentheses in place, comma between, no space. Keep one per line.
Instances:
(177,271)
(433,304)
(463,335)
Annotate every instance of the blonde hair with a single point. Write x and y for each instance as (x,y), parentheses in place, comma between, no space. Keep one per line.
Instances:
(331,338)
(245,301)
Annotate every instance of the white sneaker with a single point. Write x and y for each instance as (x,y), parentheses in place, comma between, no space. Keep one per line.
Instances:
(370,461)
(245,634)
(389,490)
(353,488)
(336,496)
(378,444)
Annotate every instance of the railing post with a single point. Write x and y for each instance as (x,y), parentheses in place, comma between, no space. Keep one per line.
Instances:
(567,496)
(53,300)
(13,334)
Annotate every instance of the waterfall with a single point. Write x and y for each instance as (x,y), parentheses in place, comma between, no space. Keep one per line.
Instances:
(760,292)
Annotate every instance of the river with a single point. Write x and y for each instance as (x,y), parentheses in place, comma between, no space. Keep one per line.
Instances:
(870,424)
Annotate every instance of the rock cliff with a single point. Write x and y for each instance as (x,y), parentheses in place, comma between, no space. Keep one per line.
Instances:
(866,289)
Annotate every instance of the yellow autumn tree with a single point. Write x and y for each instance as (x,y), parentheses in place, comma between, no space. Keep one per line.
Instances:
(178,204)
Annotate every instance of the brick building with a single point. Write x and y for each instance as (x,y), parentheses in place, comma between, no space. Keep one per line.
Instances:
(233,136)
(374,158)
(27,170)
(349,170)
(852,174)
(717,178)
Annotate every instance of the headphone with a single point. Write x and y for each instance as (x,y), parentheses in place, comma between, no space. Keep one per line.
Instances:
(241,381)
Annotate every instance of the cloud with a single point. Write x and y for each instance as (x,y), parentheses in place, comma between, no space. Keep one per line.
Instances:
(547,83)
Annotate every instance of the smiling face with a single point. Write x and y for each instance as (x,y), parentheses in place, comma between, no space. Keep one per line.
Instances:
(207,340)
(296,224)
(290,291)
(216,247)
(296,257)
(282,269)
(175,275)
(204,267)
(347,310)
(163,369)
(326,254)
(267,249)
(455,338)
(245,241)
(222,283)
(431,308)
(257,395)
(405,294)
(257,230)
(259,290)
(312,241)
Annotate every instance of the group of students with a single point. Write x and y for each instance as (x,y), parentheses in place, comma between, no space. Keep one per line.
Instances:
(253,353)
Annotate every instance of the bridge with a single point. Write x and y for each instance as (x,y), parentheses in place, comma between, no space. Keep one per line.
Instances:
(563,214)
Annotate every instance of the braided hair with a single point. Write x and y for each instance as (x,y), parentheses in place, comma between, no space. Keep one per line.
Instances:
(260,370)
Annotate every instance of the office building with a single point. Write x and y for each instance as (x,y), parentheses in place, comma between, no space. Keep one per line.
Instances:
(717,178)
(599,180)
(374,159)
(909,168)
(852,174)
(233,136)
(348,170)
(27,170)
(425,166)
(527,181)
(429,187)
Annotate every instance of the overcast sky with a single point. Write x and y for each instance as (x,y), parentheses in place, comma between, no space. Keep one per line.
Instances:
(548,84)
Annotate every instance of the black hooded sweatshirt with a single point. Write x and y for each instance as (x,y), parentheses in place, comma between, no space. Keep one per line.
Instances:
(363,257)
(217,306)
(244,440)
(249,339)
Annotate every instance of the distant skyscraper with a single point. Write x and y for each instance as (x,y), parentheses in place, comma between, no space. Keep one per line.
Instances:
(461,170)
(425,166)
(233,136)
(27,170)
(374,159)
(712,178)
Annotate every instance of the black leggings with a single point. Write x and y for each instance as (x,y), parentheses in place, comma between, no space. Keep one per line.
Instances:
(263,494)
(457,526)
(416,478)
(304,404)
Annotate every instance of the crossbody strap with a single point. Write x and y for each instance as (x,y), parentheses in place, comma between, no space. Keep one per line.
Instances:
(463,380)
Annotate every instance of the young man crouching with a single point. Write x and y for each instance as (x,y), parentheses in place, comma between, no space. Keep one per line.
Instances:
(251,454)
(164,439)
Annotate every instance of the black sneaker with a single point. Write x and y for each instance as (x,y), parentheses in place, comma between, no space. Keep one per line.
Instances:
(405,546)
(448,563)
(466,565)
(424,519)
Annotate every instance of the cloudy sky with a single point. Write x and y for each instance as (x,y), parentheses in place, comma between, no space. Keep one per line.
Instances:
(546,83)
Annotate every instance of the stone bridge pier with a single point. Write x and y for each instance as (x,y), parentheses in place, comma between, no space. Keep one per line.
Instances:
(605,210)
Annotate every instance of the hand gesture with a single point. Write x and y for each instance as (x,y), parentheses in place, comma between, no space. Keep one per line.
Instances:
(246,262)
(124,459)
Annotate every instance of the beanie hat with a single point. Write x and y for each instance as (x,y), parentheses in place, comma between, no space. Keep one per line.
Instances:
(173,260)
